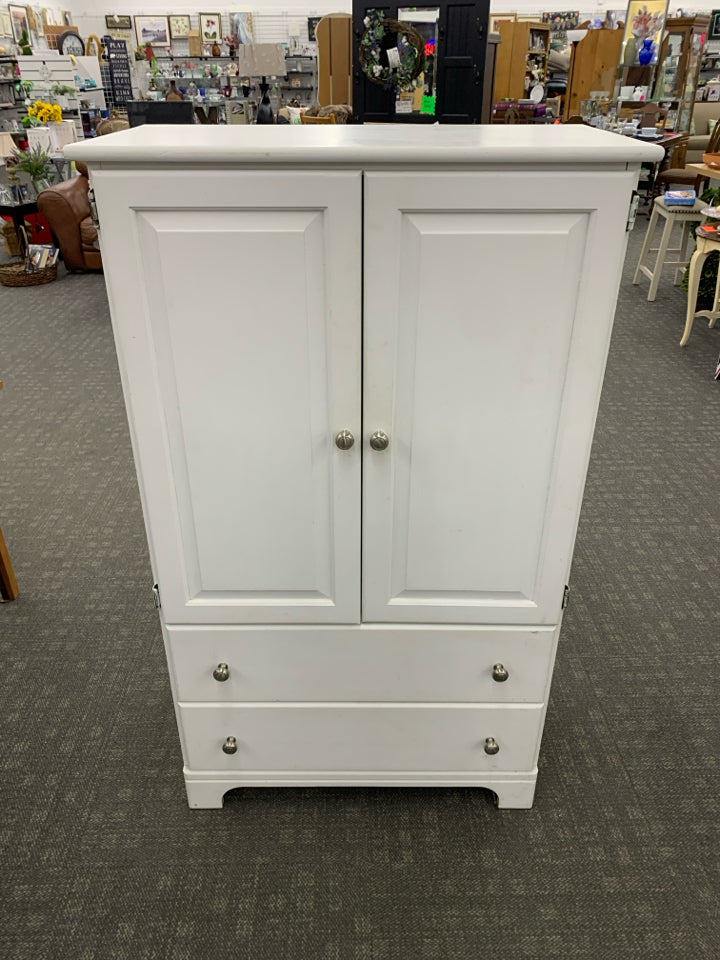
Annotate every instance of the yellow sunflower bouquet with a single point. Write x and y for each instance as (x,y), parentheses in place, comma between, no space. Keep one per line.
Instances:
(40,113)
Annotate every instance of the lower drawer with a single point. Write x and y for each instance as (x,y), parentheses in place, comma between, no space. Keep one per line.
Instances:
(362,663)
(361,737)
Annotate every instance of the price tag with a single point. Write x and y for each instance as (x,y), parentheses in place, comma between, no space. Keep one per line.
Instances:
(393,55)
(403,106)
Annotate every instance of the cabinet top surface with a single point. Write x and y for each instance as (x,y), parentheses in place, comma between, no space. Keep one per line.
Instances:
(383,144)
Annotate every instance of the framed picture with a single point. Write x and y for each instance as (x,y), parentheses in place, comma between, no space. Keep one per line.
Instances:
(645,20)
(312,23)
(714,28)
(241,27)
(153,30)
(496,18)
(560,22)
(6,29)
(19,18)
(116,22)
(179,26)
(210,27)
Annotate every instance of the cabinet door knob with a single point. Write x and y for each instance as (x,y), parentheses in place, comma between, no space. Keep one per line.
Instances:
(344,440)
(491,746)
(499,673)
(230,745)
(379,440)
(221,672)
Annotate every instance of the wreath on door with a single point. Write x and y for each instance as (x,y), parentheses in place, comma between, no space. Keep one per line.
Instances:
(392,53)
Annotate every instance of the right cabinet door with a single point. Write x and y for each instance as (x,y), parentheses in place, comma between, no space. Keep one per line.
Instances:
(489,300)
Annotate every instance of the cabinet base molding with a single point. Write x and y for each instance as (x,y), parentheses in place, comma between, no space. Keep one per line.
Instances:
(207,790)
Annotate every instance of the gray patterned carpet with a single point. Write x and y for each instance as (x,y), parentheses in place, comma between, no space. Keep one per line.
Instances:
(101,858)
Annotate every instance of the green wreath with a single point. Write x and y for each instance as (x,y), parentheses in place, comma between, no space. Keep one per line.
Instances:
(378,65)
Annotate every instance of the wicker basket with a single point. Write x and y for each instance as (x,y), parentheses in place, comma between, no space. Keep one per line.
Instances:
(15,275)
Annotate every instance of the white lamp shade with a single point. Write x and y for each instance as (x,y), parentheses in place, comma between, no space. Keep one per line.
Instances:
(574,36)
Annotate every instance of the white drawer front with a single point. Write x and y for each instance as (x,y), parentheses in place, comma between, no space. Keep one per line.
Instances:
(361,737)
(362,663)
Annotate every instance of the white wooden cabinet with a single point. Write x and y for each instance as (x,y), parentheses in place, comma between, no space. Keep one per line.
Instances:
(383,613)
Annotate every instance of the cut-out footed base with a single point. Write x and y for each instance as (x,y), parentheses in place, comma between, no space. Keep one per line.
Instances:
(206,790)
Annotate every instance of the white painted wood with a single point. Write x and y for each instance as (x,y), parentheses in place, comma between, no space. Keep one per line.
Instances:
(513,791)
(486,384)
(240,354)
(361,737)
(364,663)
(529,146)
(233,262)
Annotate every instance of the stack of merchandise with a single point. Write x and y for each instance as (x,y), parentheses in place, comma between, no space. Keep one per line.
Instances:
(40,256)
(680,198)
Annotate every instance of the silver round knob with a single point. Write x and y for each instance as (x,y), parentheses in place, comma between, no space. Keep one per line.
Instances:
(499,673)
(221,672)
(344,440)
(230,745)
(379,440)
(491,746)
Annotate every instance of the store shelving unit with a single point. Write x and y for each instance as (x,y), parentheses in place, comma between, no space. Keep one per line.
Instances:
(523,49)
(679,64)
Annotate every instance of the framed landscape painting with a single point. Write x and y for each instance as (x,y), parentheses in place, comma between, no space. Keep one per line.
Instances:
(152,30)
(113,22)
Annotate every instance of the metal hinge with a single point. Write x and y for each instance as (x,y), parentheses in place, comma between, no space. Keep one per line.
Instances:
(632,212)
(156,596)
(566,597)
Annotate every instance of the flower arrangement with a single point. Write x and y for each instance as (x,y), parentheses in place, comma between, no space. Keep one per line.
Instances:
(40,113)
(36,163)
(646,24)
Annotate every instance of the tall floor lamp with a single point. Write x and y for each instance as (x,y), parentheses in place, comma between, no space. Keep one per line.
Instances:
(262,60)
(574,36)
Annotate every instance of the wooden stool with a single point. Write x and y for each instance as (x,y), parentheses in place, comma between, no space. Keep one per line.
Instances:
(705,246)
(685,216)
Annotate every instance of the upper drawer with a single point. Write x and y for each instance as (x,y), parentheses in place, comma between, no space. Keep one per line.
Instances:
(364,663)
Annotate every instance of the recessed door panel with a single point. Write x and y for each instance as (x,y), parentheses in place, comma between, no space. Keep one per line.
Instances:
(255,342)
(474,327)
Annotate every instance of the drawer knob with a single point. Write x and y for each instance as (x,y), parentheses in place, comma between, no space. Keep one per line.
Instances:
(230,745)
(491,746)
(221,672)
(344,440)
(379,440)
(499,673)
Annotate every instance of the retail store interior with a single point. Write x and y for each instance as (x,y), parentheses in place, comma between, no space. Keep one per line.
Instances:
(295,684)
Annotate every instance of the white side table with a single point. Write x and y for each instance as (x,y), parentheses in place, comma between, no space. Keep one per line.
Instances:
(705,246)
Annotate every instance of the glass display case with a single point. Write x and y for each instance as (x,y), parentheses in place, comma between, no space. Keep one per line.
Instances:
(679,64)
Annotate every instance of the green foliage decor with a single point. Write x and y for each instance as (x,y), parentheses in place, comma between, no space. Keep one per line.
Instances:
(373,49)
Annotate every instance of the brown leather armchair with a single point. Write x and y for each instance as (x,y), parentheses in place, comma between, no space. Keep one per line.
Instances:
(66,208)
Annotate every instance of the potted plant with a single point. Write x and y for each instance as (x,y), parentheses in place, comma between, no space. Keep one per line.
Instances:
(63,93)
(36,163)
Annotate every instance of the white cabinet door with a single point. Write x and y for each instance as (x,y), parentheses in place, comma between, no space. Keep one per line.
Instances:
(236,306)
(489,300)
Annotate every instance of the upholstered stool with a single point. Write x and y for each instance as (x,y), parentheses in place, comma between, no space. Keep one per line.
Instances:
(705,246)
(685,216)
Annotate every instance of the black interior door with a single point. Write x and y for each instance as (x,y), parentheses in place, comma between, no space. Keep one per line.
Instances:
(462,39)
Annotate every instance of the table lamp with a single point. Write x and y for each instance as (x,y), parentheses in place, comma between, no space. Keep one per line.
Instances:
(262,60)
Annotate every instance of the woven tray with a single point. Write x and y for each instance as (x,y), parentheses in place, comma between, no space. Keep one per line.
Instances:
(15,275)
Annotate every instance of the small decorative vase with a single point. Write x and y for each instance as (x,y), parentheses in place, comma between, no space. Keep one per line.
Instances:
(646,54)
(42,183)
(231,51)
(630,52)
(216,50)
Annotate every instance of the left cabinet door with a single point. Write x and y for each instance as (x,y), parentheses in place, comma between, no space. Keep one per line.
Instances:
(235,298)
